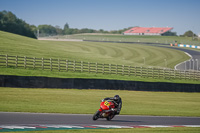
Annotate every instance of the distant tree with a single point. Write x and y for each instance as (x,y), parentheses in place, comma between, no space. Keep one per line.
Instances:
(47,30)
(189,34)
(76,31)
(59,31)
(10,23)
(66,26)
(101,31)
(114,32)
(169,33)
(86,30)
(34,29)
(67,30)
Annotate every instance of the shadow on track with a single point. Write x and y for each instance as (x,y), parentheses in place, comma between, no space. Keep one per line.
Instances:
(124,121)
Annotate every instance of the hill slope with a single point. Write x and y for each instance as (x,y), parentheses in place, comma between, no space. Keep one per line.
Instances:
(110,53)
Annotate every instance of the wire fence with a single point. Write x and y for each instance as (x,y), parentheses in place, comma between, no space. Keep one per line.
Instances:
(81,66)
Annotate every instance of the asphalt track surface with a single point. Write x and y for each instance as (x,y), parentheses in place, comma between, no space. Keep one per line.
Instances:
(10,118)
(193,63)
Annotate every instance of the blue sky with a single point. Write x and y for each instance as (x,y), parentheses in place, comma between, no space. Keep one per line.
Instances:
(183,15)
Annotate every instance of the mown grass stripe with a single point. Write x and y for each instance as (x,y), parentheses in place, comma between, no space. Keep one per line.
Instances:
(112,53)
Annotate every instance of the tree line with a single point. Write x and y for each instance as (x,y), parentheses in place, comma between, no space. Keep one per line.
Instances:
(49,30)
(10,23)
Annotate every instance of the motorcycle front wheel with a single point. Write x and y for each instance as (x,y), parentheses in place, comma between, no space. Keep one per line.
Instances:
(96,115)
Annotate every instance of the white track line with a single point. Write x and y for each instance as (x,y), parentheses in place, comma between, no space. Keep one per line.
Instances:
(184,61)
(13,127)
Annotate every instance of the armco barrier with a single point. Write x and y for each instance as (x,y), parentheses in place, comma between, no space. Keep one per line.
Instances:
(75,83)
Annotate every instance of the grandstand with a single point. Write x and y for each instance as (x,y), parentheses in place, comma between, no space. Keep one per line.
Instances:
(158,31)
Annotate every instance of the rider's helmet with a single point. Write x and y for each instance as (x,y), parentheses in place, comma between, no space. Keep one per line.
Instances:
(116,97)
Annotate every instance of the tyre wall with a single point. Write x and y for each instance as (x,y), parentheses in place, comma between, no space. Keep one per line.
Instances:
(75,83)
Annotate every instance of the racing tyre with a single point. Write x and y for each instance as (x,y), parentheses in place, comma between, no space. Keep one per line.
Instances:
(110,117)
(96,115)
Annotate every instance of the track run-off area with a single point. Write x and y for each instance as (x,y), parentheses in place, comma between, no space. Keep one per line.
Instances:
(14,121)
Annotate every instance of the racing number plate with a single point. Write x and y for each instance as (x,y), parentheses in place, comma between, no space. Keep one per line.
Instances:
(106,103)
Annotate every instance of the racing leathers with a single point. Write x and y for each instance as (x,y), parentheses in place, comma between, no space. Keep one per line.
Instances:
(118,103)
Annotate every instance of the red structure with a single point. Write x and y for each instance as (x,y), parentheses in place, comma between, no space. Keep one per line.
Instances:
(147,31)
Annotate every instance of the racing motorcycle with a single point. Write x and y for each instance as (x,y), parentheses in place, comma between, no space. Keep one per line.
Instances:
(107,110)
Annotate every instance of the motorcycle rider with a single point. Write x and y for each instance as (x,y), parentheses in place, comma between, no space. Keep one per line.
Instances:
(117,101)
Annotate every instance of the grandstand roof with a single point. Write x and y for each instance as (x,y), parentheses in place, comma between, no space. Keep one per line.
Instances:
(157,30)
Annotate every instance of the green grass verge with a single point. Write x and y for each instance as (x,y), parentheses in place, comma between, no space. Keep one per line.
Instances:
(136,130)
(88,101)
(108,53)
(85,75)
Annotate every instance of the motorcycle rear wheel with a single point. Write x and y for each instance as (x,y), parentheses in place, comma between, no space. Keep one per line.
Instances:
(96,115)
(110,117)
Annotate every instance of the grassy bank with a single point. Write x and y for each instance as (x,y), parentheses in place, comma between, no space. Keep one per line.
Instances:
(108,53)
(85,75)
(77,101)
